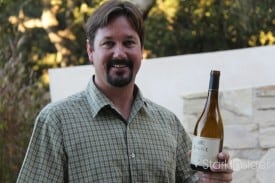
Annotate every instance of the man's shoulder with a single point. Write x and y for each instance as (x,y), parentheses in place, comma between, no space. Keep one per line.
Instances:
(69,104)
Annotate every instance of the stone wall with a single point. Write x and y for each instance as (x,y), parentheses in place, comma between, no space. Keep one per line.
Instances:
(249,130)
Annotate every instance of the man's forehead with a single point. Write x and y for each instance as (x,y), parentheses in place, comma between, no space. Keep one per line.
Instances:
(120,26)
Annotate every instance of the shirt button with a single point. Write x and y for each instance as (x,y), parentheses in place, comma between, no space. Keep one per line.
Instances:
(132,155)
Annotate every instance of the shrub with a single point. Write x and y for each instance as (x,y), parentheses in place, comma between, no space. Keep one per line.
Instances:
(21,96)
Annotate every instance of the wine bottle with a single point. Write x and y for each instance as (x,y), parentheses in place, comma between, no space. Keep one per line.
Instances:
(207,140)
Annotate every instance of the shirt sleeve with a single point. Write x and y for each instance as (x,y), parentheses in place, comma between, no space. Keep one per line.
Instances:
(184,173)
(45,157)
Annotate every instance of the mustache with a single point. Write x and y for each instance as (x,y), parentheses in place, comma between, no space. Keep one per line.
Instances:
(126,62)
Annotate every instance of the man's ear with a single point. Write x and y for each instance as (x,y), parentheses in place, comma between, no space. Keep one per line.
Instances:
(89,51)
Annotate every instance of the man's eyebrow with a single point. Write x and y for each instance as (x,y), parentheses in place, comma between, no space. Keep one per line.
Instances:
(107,37)
(130,37)
(111,37)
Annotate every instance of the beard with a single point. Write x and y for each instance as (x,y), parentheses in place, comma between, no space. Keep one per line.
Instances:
(119,72)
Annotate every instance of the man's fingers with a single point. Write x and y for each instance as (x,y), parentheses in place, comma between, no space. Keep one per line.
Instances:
(214,177)
(221,167)
(223,156)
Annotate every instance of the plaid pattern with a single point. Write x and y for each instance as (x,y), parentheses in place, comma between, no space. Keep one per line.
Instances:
(84,139)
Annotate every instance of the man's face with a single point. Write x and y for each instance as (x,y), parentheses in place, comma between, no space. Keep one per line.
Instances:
(116,54)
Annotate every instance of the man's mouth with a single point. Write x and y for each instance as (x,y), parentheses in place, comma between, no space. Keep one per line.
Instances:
(120,64)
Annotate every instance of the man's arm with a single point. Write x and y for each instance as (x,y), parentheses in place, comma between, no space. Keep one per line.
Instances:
(44,160)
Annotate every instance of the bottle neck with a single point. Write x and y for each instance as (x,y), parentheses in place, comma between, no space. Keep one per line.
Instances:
(213,90)
(213,94)
(212,98)
(214,83)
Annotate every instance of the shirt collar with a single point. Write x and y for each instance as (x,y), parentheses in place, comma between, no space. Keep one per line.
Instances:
(97,100)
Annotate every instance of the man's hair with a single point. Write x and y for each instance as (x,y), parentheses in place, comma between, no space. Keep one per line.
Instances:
(110,10)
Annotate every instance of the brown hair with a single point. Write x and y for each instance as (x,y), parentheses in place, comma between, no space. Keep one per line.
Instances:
(110,10)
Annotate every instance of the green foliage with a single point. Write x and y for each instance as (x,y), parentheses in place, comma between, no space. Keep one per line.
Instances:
(209,25)
(51,32)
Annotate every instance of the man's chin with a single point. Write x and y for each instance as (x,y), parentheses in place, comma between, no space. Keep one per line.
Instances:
(119,81)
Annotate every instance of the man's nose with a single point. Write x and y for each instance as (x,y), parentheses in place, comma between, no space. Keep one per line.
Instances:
(119,52)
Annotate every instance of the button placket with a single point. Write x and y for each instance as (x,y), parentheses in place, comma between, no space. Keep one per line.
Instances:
(131,152)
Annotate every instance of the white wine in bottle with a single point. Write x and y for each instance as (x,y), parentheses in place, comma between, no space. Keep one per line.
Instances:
(207,140)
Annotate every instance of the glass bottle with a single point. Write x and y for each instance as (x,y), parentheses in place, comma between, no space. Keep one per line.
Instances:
(208,135)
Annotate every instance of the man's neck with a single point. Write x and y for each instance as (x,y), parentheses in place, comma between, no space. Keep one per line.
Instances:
(122,100)
(121,97)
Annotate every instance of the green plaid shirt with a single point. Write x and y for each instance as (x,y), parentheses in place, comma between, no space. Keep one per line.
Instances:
(84,139)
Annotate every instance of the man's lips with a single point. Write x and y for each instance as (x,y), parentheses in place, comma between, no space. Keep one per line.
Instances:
(119,64)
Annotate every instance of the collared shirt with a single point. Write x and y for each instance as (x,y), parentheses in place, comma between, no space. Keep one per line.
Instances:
(84,139)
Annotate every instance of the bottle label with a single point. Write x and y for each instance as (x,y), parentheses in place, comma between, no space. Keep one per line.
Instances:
(204,151)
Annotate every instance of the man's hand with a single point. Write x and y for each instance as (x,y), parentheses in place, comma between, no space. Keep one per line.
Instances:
(221,171)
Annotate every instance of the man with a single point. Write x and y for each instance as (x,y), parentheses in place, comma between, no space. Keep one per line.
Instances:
(109,132)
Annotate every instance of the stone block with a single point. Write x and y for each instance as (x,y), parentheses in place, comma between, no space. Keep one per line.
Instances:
(236,106)
(248,154)
(230,117)
(265,91)
(241,136)
(245,176)
(264,116)
(264,103)
(266,172)
(238,102)
(267,136)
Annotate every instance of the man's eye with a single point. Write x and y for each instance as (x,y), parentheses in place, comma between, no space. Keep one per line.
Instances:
(108,44)
(129,43)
